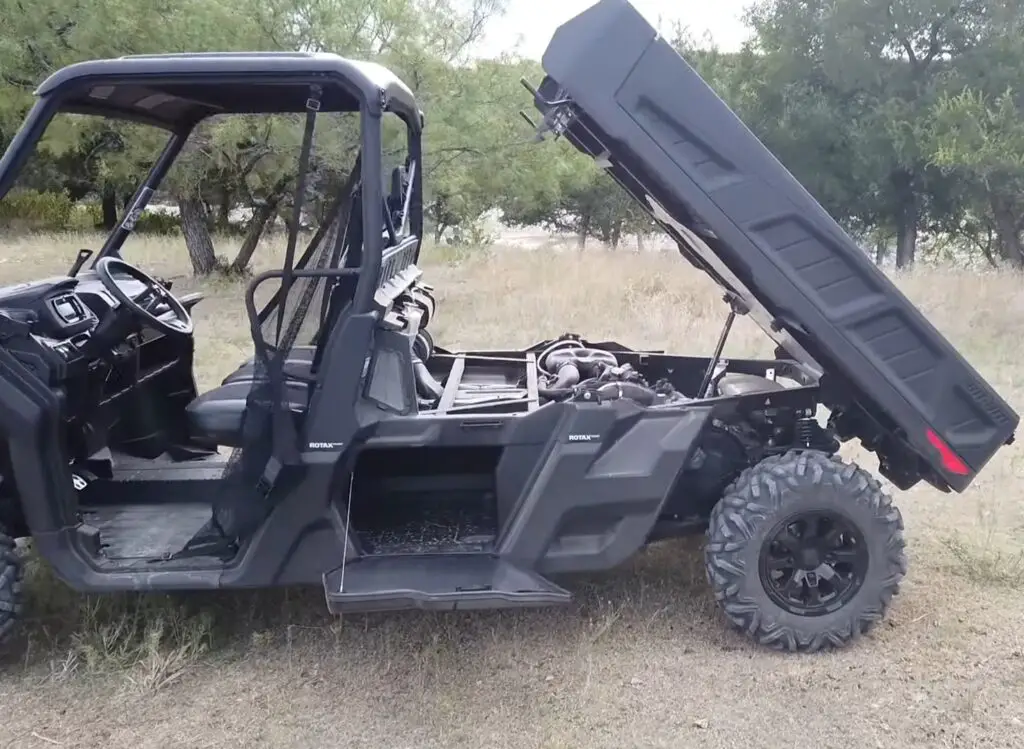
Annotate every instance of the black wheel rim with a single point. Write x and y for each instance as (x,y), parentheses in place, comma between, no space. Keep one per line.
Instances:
(813,563)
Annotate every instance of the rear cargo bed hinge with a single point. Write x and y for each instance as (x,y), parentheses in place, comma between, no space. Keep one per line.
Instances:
(736,303)
(559,114)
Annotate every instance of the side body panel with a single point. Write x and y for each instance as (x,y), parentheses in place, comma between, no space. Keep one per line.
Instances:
(625,95)
(595,499)
(579,488)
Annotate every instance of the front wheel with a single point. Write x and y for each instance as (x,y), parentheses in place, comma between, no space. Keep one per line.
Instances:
(805,552)
(11,574)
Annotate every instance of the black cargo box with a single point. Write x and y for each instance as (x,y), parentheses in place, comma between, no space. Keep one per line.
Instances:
(619,92)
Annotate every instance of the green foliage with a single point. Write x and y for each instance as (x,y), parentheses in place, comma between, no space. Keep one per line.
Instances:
(900,116)
(979,133)
(34,210)
(582,200)
(477,147)
(30,210)
(151,222)
(846,91)
(980,140)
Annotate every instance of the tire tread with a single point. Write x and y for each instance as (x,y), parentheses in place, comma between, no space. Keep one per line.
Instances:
(12,574)
(758,495)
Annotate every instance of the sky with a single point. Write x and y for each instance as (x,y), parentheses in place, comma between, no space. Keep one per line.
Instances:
(530,23)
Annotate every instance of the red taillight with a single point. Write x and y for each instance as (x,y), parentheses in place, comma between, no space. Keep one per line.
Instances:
(950,460)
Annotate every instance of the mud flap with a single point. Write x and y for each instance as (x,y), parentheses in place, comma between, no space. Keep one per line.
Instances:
(443,582)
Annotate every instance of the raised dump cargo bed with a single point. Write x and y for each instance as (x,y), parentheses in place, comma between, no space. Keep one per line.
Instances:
(620,93)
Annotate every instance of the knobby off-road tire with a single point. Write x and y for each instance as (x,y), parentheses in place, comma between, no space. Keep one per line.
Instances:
(11,575)
(761,501)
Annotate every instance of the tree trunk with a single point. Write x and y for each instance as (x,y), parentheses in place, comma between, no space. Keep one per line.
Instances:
(109,205)
(639,242)
(196,231)
(907,217)
(284,215)
(616,235)
(439,228)
(1011,250)
(906,243)
(881,250)
(584,232)
(224,208)
(257,225)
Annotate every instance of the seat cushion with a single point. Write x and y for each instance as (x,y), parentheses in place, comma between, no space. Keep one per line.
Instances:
(733,384)
(298,365)
(217,416)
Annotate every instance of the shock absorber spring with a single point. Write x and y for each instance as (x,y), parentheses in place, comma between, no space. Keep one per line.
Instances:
(805,431)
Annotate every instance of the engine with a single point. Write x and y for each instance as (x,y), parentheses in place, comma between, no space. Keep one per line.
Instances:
(568,370)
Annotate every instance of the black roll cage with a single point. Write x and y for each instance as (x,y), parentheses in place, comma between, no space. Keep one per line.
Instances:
(63,93)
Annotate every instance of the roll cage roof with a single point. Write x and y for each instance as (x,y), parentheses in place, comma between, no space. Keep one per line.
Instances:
(176,91)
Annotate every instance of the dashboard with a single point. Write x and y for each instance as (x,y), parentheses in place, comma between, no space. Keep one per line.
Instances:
(58,315)
(51,325)
(105,366)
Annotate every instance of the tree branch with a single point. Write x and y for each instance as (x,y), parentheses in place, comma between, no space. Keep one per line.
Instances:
(933,43)
(18,82)
(61,33)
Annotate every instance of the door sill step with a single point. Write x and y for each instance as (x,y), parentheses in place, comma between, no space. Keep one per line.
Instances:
(443,582)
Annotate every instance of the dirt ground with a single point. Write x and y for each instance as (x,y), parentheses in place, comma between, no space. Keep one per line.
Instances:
(642,658)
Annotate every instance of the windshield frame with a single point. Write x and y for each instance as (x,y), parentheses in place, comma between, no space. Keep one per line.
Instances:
(29,136)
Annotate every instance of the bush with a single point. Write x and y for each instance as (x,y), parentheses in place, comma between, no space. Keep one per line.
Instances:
(157,223)
(86,217)
(89,216)
(32,210)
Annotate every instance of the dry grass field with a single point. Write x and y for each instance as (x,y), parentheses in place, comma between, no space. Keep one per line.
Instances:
(642,659)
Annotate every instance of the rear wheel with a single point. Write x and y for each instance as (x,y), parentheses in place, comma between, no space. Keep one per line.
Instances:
(11,574)
(805,552)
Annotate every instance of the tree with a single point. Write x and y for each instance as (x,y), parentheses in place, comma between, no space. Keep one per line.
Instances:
(976,138)
(420,39)
(866,75)
(980,140)
(583,201)
(477,148)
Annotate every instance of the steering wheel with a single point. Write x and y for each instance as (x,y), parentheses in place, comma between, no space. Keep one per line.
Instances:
(144,304)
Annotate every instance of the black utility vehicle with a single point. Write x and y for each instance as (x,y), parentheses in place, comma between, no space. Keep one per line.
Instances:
(404,475)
